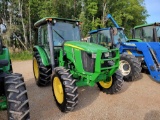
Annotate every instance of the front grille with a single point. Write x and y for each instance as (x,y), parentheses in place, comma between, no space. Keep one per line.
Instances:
(109,63)
(88,62)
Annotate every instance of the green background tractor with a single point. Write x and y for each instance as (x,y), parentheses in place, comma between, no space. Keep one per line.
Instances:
(62,58)
(146,33)
(13,93)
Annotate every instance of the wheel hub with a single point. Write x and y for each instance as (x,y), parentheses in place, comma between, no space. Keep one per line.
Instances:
(58,90)
(106,84)
(35,68)
(125,67)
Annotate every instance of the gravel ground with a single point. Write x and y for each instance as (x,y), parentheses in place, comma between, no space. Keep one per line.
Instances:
(138,100)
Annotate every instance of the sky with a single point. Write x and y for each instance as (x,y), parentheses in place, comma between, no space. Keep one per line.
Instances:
(153,8)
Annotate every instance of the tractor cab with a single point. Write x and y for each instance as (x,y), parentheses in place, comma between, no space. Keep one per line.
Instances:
(2,30)
(147,32)
(54,32)
(62,30)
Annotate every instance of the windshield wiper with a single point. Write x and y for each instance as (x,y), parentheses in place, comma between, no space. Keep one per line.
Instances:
(59,35)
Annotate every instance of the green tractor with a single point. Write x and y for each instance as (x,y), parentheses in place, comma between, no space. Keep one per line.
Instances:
(146,33)
(61,58)
(13,93)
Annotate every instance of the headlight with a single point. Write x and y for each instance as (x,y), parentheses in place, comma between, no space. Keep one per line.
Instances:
(93,55)
(106,54)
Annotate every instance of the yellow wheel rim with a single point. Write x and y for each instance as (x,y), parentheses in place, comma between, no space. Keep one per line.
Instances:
(35,68)
(58,90)
(106,84)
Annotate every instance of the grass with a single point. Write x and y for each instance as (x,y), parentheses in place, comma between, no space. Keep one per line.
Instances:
(23,55)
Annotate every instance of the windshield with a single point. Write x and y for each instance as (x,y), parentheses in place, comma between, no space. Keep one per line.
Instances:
(63,31)
(119,37)
(101,37)
(105,37)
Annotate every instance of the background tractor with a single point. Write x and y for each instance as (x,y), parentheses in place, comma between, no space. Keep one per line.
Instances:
(146,32)
(13,93)
(129,66)
(139,52)
(62,58)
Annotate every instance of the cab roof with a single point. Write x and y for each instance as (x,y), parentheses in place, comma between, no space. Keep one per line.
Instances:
(145,25)
(45,19)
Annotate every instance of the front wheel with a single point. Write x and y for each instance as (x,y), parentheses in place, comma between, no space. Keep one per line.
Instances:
(113,85)
(130,67)
(17,99)
(64,90)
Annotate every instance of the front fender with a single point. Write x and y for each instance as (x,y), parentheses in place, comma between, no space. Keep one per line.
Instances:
(43,55)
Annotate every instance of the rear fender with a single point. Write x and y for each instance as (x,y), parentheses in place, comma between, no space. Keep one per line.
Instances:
(43,55)
(5,56)
(127,46)
(134,40)
(130,48)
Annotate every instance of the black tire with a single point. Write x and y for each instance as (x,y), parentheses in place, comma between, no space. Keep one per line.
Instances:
(17,99)
(70,94)
(44,72)
(134,65)
(117,83)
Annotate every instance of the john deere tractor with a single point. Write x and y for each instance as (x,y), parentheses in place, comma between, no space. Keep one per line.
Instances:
(60,57)
(13,93)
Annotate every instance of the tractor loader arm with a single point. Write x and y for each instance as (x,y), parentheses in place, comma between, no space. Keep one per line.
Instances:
(151,56)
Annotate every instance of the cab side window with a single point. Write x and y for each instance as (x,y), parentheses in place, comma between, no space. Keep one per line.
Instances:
(93,38)
(43,36)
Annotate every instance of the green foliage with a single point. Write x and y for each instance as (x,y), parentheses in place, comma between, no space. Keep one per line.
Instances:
(23,55)
(128,14)
(92,13)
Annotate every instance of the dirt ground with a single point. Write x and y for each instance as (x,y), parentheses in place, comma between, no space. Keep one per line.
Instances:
(138,100)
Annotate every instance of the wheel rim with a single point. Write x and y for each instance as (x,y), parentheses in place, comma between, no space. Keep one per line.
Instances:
(35,68)
(125,67)
(107,84)
(58,90)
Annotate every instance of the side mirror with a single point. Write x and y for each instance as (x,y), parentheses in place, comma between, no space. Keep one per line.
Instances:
(3,28)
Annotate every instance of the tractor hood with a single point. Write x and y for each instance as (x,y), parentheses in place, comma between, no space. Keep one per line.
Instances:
(89,47)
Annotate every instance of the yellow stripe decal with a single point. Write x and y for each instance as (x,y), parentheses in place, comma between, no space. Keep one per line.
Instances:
(129,52)
(74,46)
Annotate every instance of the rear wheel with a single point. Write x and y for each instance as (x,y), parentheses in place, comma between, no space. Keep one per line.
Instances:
(64,90)
(17,99)
(113,85)
(130,67)
(42,73)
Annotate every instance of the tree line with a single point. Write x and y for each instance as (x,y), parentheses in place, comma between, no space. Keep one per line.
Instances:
(20,16)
